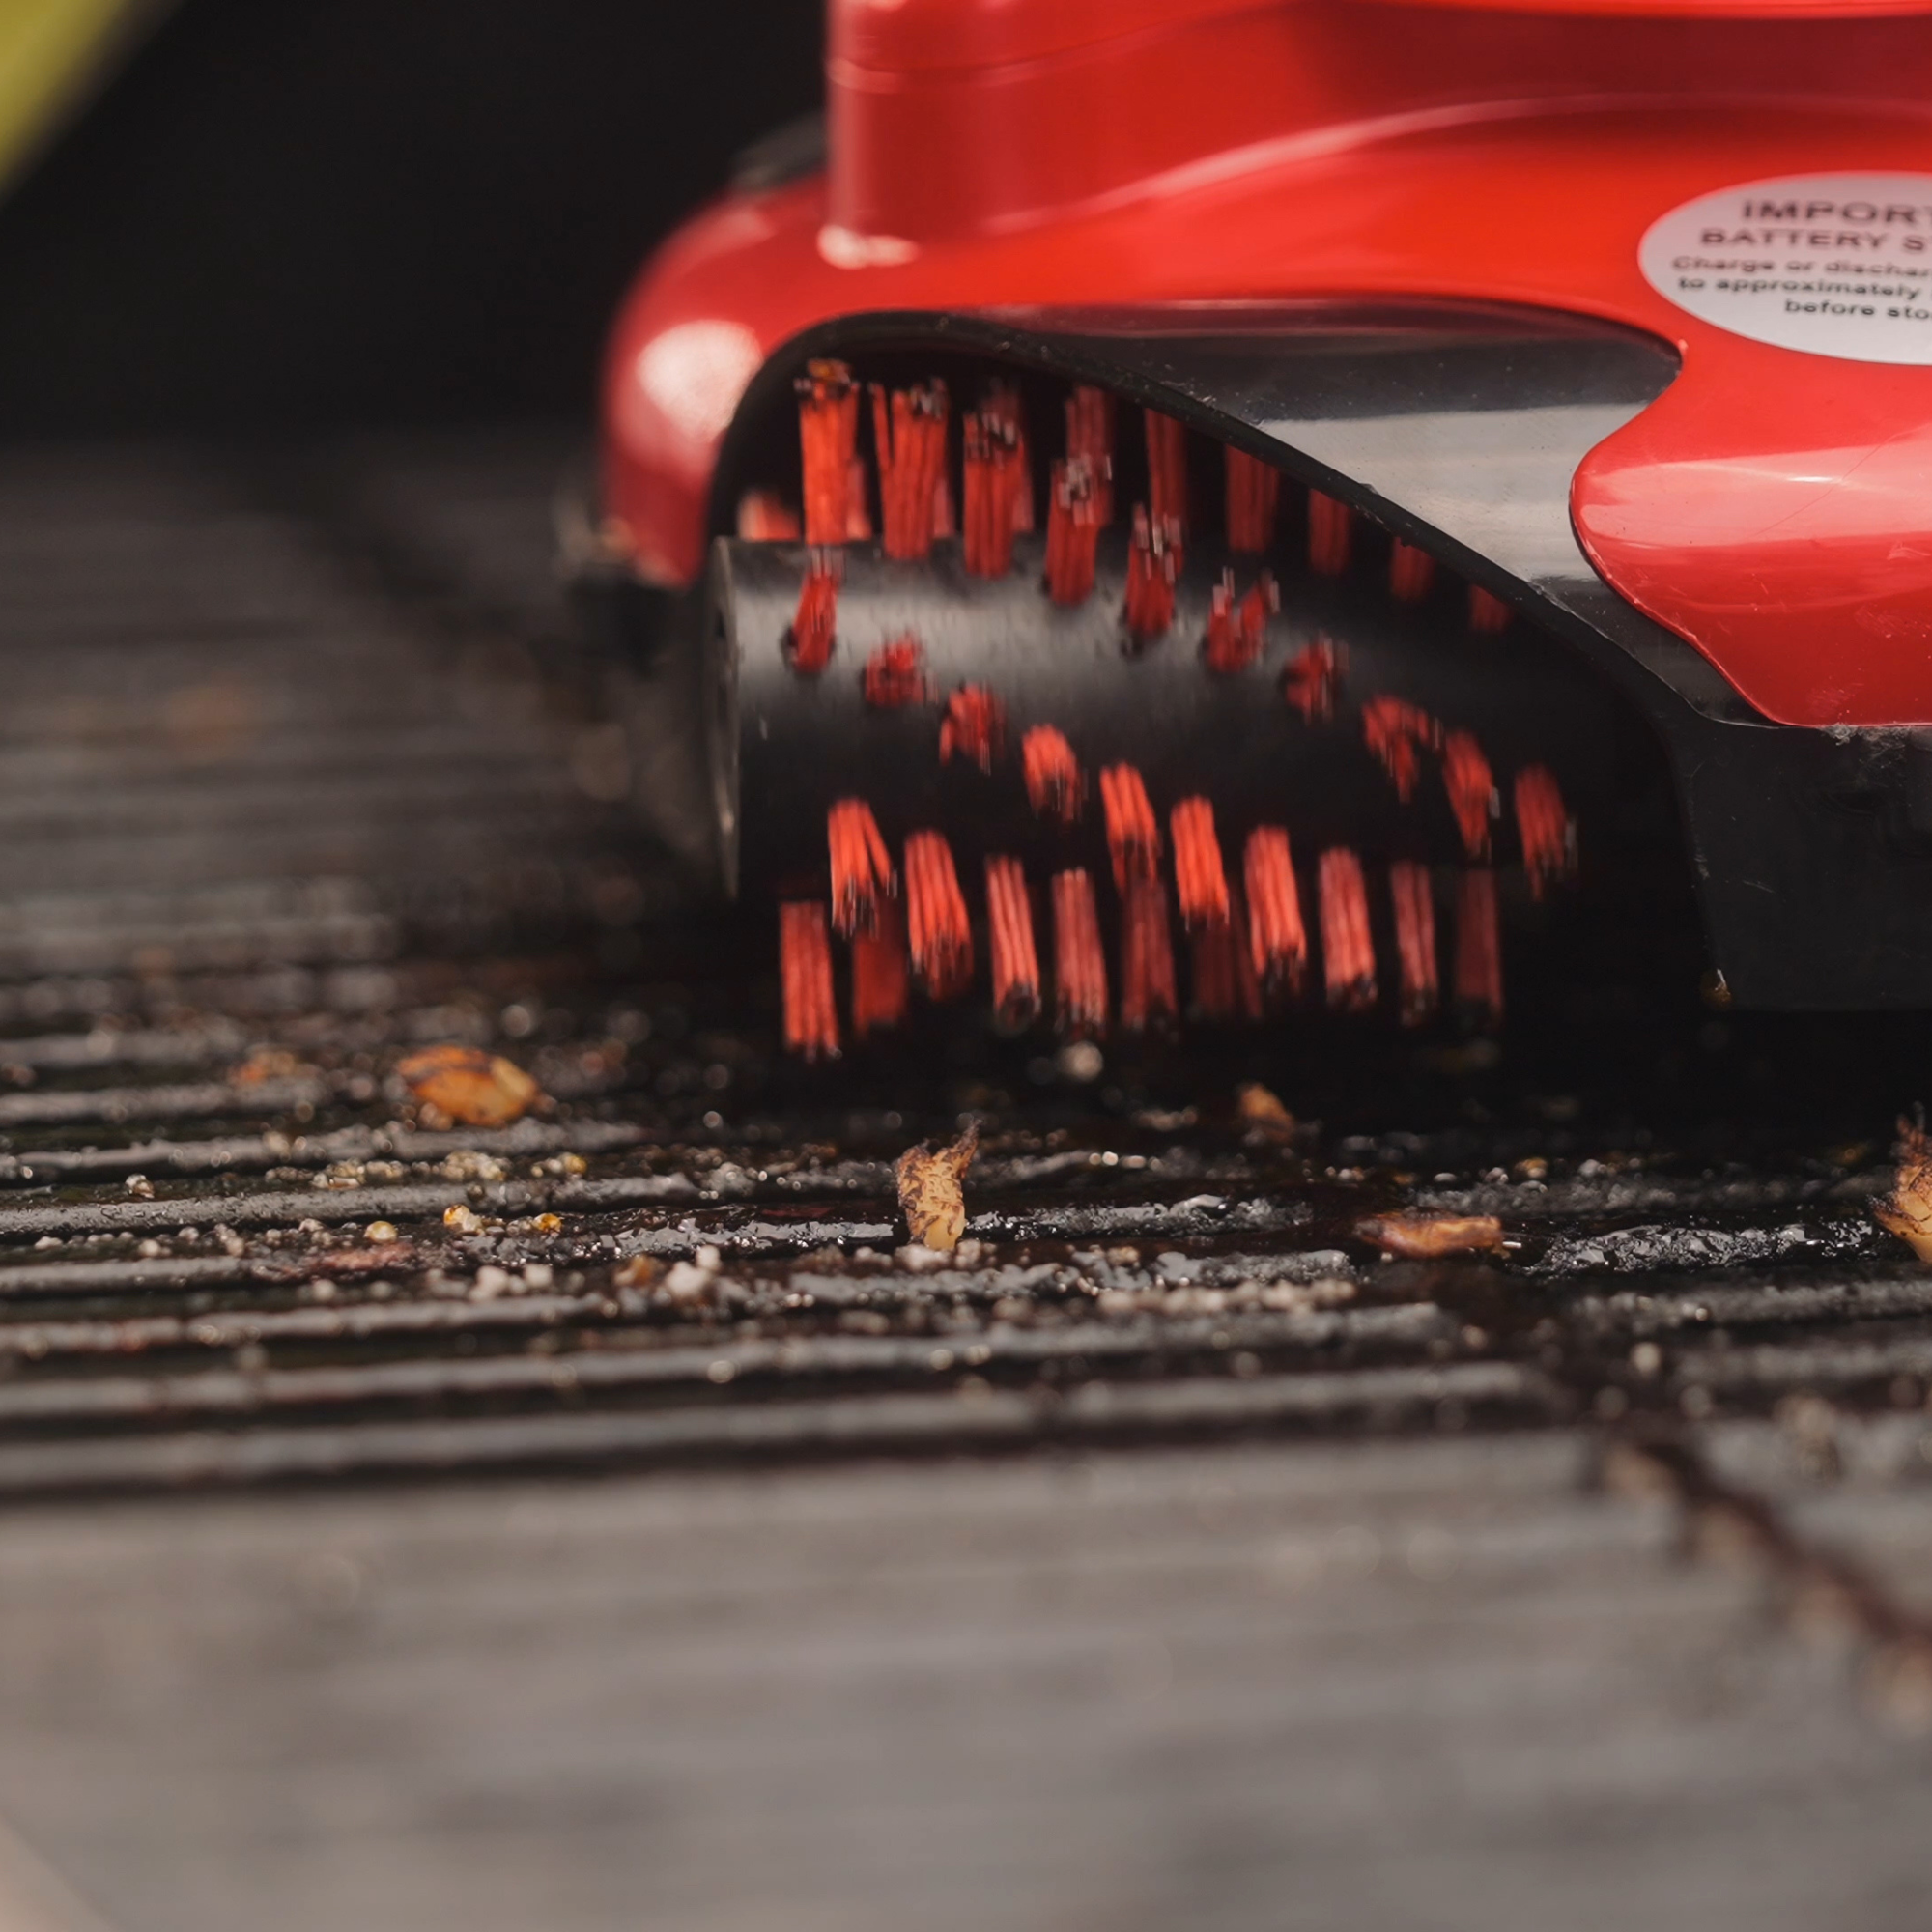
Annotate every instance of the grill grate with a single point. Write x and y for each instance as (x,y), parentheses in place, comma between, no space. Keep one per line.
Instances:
(295,780)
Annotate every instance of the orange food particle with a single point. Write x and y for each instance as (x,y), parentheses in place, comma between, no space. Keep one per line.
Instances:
(1907,1210)
(1424,1236)
(471,1087)
(931,1183)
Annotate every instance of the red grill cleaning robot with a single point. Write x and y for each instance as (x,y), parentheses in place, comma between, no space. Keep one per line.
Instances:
(1167,506)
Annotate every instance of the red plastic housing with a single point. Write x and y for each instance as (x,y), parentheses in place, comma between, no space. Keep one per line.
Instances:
(1773,507)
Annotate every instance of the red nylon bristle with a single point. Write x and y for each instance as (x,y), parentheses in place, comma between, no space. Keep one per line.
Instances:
(1489,615)
(942,505)
(805,971)
(1414,902)
(828,432)
(909,437)
(1054,785)
(1237,631)
(1263,602)
(992,488)
(1153,564)
(895,674)
(1073,532)
(1310,681)
(938,933)
(1221,646)
(1015,963)
(1479,949)
(1146,957)
(1548,832)
(1199,877)
(1254,502)
(862,871)
(1079,962)
(1397,734)
(1412,572)
(975,727)
(765,517)
(1277,939)
(1090,439)
(1472,791)
(858,518)
(1331,528)
(1167,470)
(1133,834)
(1347,951)
(881,988)
(1003,401)
(814,624)
(1223,980)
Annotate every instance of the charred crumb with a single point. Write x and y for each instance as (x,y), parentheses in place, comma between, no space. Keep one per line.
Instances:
(1906,1210)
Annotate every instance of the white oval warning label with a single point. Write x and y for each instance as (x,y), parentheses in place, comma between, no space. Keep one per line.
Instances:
(1834,264)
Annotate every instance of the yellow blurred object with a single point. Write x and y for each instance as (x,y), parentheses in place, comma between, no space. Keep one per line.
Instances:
(51,54)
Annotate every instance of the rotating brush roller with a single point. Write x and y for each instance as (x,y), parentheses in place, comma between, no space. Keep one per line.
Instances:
(1242,562)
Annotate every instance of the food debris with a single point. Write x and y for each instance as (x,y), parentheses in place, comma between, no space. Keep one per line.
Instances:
(467,1164)
(380,1233)
(931,1193)
(1422,1236)
(639,1271)
(267,1063)
(139,1187)
(1263,1113)
(1907,1210)
(462,1220)
(467,1087)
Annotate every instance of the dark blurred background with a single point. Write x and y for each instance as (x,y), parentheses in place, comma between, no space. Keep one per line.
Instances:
(328,212)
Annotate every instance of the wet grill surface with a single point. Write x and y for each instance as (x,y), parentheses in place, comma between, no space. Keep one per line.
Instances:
(298,773)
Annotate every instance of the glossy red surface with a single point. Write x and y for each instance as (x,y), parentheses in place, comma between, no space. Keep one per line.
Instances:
(1772,507)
